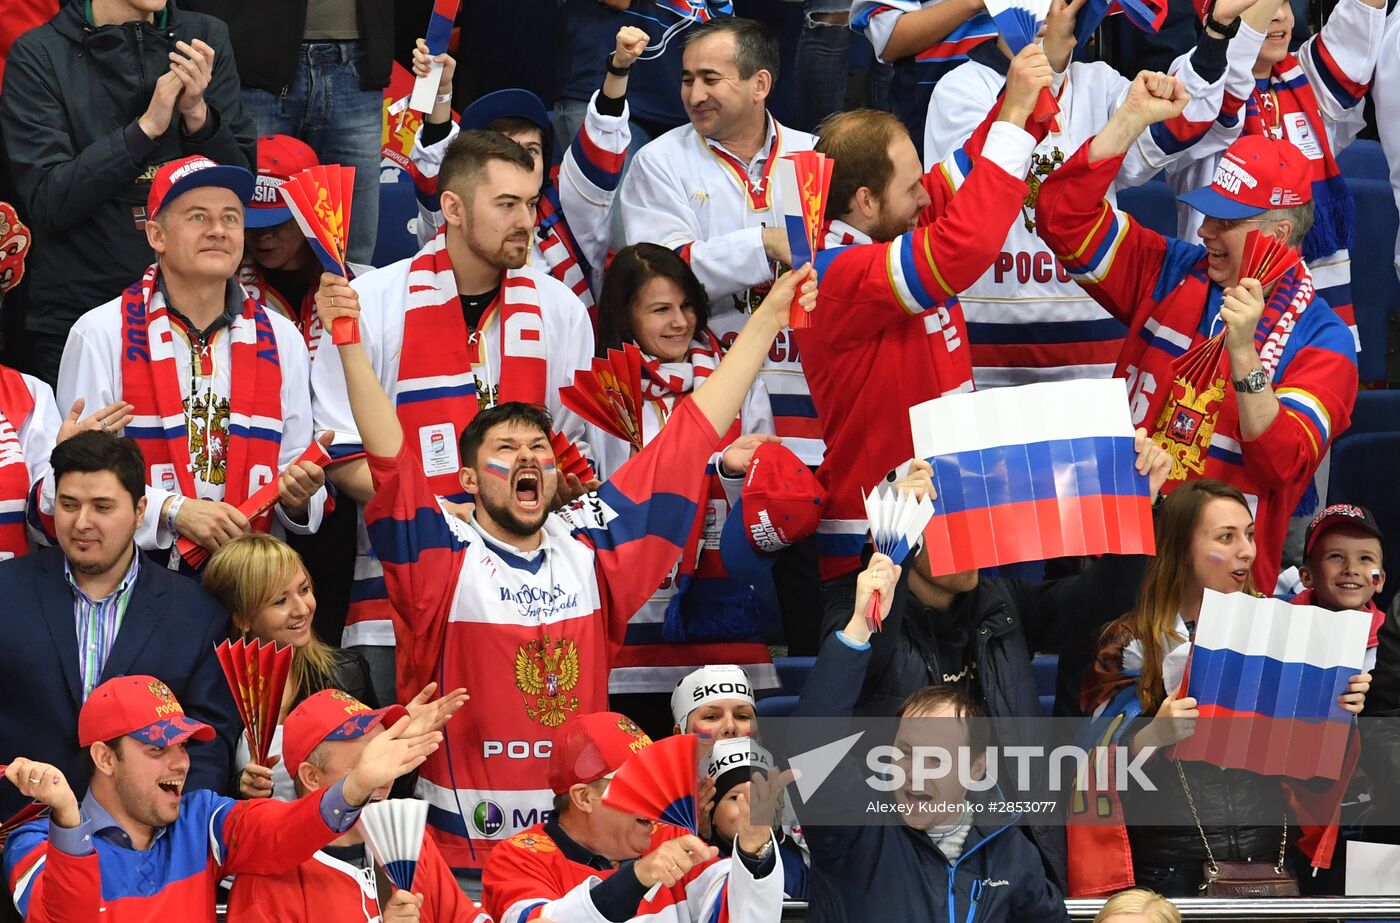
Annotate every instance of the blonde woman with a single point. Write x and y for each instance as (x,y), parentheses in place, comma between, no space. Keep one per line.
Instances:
(1138,905)
(268,593)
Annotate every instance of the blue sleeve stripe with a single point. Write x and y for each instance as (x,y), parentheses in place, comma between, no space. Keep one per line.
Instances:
(403,541)
(665,516)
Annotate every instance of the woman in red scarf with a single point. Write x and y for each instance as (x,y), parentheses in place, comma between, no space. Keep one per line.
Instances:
(651,298)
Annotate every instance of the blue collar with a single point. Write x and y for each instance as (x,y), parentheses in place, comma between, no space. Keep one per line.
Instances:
(106,826)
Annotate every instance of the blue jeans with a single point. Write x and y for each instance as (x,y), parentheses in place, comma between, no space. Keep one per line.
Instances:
(823,61)
(342,123)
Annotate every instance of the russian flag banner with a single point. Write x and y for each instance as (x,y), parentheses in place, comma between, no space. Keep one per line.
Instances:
(1029,473)
(1277,670)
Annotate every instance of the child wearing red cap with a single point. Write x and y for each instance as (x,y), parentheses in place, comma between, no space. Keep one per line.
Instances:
(1286,383)
(139,847)
(1343,567)
(324,737)
(590,862)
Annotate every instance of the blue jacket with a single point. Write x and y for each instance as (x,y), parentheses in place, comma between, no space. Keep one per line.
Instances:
(169,631)
(877,872)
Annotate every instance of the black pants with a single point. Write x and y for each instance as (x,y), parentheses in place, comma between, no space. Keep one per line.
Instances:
(798,585)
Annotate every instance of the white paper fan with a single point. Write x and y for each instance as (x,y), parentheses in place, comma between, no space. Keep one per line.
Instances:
(897,523)
(1018,21)
(897,520)
(393,831)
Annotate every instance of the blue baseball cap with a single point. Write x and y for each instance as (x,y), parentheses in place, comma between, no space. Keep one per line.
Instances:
(502,103)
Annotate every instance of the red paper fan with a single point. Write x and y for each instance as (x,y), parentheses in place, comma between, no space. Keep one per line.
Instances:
(320,199)
(260,502)
(24,815)
(14,246)
(660,783)
(1200,365)
(569,460)
(608,394)
(804,180)
(1266,258)
(257,673)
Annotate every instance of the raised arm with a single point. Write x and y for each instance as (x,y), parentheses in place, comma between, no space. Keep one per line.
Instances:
(375,417)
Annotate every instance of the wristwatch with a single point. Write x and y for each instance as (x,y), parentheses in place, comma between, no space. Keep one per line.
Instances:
(1252,383)
(1222,30)
(763,853)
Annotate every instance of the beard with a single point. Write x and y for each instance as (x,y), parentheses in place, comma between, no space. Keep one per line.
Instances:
(889,228)
(507,518)
(140,804)
(502,256)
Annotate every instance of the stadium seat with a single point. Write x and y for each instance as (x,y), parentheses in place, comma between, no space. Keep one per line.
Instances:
(792,673)
(1376,411)
(1044,667)
(1363,472)
(1374,287)
(1364,160)
(398,214)
(776,706)
(1153,205)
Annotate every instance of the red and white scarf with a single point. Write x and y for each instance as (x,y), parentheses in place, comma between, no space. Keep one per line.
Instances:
(151,383)
(255,283)
(664,385)
(16,405)
(442,362)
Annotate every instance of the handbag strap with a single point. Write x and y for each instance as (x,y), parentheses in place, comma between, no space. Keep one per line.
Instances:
(1210,856)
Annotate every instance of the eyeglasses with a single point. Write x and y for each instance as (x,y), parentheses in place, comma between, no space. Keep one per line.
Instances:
(1231,224)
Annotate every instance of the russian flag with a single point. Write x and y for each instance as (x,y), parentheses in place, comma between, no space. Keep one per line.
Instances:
(1038,471)
(439,32)
(1276,670)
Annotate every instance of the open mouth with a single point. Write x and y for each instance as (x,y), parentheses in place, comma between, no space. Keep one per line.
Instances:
(1239,575)
(1277,36)
(527,489)
(1348,586)
(171,786)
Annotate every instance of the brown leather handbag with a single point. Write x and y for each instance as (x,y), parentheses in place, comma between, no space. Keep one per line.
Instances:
(1241,878)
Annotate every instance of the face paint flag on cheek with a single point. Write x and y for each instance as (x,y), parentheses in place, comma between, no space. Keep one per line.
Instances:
(498,468)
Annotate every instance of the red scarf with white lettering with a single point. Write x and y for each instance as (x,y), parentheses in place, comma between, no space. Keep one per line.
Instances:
(16,404)
(151,383)
(255,283)
(444,369)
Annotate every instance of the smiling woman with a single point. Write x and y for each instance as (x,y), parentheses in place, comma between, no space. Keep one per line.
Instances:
(265,587)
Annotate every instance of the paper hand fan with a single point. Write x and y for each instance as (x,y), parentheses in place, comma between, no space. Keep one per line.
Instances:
(257,505)
(608,394)
(319,198)
(437,37)
(257,673)
(393,832)
(14,246)
(660,782)
(569,460)
(897,522)
(1019,22)
(24,815)
(1266,258)
(804,179)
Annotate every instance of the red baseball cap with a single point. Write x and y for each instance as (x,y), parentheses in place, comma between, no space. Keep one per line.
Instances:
(591,746)
(1255,174)
(1339,514)
(279,158)
(178,177)
(137,706)
(780,503)
(330,715)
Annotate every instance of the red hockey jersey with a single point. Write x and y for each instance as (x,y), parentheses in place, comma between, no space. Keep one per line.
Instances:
(1158,287)
(325,888)
(530,877)
(888,333)
(531,634)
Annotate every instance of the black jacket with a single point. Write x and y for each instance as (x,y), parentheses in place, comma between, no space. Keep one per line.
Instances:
(267,36)
(169,631)
(1009,621)
(865,872)
(68,111)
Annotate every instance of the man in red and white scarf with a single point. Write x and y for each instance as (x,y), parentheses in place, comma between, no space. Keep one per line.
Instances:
(219,384)
(461,326)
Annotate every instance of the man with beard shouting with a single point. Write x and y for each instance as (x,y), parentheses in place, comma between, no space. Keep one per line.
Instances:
(457,328)
(529,607)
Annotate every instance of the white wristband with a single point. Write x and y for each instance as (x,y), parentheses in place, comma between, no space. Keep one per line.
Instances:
(171,512)
(444,98)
